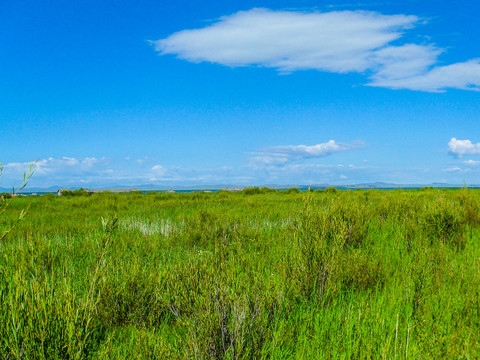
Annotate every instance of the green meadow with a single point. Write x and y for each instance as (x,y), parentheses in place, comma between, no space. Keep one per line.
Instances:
(258,274)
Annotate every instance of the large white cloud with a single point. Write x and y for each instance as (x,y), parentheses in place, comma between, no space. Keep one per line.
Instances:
(458,148)
(337,41)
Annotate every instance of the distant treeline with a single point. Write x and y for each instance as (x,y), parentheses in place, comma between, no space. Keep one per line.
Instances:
(253,190)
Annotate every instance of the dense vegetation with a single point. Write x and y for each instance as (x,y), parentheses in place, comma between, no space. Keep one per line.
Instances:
(255,274)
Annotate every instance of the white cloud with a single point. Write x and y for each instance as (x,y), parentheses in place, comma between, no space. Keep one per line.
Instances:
(333,41)
(293,173)
(159,170)
(403,62)
(57,171)
(472,163)
(52,165)
(455,169)
(93,173)
(284,154)
(336,41)
(458,148)
(465,76)
(187,175)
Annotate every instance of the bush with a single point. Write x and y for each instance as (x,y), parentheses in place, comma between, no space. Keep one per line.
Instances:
(265,190)
(444,222)
(331,190)
(78,192)
(81,192)
(5,195)
(251,190)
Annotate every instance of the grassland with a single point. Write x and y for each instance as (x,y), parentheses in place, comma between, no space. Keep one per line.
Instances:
(315,275)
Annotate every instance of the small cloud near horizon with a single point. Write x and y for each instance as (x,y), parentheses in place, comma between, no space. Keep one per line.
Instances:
(459,148)
(276,155)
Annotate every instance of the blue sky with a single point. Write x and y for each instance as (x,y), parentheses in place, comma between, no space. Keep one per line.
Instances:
(179,93)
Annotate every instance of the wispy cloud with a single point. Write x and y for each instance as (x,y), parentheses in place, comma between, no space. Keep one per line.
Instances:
(284,154)
(58,171)
(196,176)
(52,165)
(92,172)
(455,170)
(471,163)
(336,41)
(273,165)
(465,76)
(458,148)
(310,174)
(281,165)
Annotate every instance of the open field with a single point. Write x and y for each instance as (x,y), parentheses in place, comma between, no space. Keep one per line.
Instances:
(332,274)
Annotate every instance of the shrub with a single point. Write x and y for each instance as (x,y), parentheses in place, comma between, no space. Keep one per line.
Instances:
(80,192)
(359,271)
(331,190)
(251,190)
(444,223)
(5,195)
(265,190)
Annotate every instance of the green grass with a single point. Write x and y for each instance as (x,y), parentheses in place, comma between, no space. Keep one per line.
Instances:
(250,275)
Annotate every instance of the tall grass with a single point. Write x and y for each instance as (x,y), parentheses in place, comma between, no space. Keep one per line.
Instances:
(258,274)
